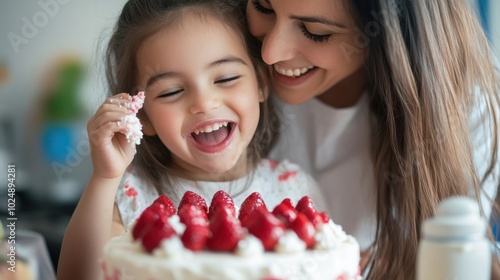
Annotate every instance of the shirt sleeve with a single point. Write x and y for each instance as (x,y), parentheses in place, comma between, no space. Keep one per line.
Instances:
(132,197)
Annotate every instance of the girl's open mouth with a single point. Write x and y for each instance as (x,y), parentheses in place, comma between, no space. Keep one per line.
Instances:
(213,137)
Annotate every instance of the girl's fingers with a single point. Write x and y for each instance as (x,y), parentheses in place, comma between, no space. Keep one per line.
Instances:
(119,103)
(107,131)
(107,123)
(120,100)
(108,119)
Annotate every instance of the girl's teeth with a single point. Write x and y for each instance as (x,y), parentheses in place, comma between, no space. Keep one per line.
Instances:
(210,128)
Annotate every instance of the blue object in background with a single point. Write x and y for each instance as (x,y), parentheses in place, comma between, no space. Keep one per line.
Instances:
(57,140)
(483,7)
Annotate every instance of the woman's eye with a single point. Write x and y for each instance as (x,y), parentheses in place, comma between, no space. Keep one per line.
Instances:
(226,80)
(312,36)
(260,8)
(169,93)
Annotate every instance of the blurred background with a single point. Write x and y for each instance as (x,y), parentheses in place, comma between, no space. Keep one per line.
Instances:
(51,81)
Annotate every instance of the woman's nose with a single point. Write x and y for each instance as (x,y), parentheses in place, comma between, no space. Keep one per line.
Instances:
(278,45)
(203,101)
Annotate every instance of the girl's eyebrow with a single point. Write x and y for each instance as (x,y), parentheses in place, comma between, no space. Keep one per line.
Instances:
(158,76)
(227,59)
(319,20)
(164,75)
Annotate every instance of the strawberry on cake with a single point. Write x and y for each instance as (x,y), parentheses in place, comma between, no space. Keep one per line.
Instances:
(199,242)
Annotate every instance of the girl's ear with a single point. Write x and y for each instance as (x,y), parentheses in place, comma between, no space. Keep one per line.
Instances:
(147,127)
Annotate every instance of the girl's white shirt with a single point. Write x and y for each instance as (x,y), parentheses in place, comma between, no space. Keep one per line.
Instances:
(333,145)
(273,180)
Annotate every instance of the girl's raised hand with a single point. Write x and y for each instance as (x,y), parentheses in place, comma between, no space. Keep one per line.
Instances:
(111,152)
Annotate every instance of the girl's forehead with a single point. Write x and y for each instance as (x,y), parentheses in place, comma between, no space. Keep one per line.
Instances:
(190,47)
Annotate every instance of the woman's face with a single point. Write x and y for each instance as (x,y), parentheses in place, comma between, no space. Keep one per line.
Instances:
(314,47)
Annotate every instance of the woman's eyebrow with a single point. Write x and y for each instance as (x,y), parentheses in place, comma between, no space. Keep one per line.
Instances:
(319,20)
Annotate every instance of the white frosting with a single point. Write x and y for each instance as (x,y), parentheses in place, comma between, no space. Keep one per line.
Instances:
(171,247)
(134,126)
(175,222)
(290,243)
(249,246)
(134,129)
(329,235)
(123,255)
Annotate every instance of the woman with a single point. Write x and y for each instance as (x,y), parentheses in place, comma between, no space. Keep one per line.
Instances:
(392,107)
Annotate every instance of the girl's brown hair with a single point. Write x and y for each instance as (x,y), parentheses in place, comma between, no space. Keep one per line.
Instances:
(141,19)
(429,65)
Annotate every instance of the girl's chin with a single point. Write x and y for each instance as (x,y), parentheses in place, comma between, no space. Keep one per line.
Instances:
(215,171)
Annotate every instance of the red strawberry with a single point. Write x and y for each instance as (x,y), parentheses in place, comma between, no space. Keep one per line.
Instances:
(226,232)
(305,203)
(313,216)
(160,230)
(325,217)
(145,220)
(159,209)
(221,199)
(266,227)
(192,198)
(191,214)
(287,201)
(304,229)
(251,203)
(285,213)
(195,236)
(167,203)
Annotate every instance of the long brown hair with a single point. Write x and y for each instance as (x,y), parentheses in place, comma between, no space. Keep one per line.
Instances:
(141,19)
(429,64)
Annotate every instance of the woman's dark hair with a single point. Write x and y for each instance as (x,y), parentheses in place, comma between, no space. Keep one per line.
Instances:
(141,19)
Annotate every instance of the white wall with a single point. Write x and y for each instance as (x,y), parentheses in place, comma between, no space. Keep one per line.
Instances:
(72,27)
(34,34)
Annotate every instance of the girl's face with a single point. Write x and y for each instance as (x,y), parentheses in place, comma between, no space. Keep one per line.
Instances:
(202,96)
(314,48)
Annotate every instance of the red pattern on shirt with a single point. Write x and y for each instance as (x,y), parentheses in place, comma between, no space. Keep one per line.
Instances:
(287,175)
(130,191)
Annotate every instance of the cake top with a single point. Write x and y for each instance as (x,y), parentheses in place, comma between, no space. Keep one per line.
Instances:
(222,227)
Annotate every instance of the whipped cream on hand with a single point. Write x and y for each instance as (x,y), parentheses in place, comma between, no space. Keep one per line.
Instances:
(134,127)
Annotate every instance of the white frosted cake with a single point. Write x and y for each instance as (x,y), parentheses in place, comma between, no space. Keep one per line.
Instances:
(219,242)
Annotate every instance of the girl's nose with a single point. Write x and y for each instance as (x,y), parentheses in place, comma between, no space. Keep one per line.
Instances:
(278,45)
(203,102)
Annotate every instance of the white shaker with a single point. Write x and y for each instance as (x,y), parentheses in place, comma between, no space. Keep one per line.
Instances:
(454,245)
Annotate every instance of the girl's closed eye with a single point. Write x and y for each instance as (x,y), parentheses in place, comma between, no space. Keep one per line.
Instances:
(227,80)
(170,93)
